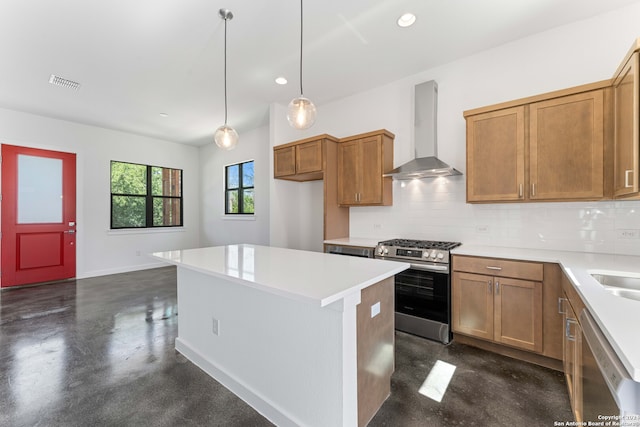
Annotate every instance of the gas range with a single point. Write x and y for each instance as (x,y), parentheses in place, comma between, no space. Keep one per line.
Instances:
(422,292)
(425,252)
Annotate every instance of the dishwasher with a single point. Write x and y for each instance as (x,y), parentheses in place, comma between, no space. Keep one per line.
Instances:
(608,391)
(357,251)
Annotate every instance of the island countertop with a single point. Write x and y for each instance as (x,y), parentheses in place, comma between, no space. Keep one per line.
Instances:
(314,277)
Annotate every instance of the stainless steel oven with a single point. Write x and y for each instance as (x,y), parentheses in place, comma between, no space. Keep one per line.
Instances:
(423,292)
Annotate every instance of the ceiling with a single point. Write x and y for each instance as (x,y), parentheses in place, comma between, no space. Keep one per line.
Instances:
(136,59)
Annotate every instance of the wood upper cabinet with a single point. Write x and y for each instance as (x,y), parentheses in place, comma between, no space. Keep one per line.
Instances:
(626,116)
(362,161)
(566,147)
(300,161)
(495,155)
(548,147)
(496,307)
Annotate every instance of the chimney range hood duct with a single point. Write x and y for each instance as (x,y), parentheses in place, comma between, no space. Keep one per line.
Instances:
(426,163)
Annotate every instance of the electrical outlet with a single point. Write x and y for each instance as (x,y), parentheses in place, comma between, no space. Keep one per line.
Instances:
(215,327)
(482,229)
(628,234)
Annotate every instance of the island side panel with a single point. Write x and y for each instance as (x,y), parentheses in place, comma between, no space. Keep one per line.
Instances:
(283,357)
(375,330)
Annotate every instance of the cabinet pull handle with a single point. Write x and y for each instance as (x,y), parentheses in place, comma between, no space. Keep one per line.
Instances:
(520,191)
(567,329)
(560,305)
(627,184)
(490,288)
(497,288)
(494,268)
(533,189)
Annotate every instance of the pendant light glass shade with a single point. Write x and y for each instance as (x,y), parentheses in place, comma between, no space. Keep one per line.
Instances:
(301,112)
(225,136)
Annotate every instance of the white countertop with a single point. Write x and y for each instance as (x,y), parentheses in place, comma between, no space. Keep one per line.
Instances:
(354,241)
(618,318)
(301,275)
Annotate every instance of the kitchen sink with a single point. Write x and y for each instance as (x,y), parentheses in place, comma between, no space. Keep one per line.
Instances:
(619,285)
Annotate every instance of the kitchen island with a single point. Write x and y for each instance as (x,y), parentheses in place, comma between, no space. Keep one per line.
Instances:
(305,338)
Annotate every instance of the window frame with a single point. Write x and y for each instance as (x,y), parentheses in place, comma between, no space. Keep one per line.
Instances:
(241,189)
(149,198)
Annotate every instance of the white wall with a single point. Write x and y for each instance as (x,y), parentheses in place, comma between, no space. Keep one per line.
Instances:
(99,250)
(570,55)
(218,229)
(296,207)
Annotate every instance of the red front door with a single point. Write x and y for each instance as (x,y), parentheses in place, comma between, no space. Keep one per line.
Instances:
(38,216)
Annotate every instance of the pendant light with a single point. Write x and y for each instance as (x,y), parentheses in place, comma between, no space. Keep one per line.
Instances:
(225,137)
(301,112)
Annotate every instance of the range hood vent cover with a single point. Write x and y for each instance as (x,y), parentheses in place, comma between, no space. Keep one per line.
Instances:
(426,163)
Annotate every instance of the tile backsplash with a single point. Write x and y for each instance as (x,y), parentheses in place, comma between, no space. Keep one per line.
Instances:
(436,209)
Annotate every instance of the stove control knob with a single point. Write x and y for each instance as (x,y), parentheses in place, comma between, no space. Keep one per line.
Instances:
(380,251)
(433,254)
(440,255)
(386,251)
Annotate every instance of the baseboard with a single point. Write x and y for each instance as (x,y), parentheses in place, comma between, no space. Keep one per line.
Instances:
(258,402)
(118,270)
(536,359)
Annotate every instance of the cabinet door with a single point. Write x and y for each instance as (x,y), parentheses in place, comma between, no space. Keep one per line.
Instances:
(284,161)
(348,169)
(472,304)
(518,313)
(626,89)
(370,170)
(572,359)
(495,155)
(566,143)
(309,157)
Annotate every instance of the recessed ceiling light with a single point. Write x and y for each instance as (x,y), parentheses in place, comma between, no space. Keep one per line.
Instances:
(406,20)
(164,115)
(281,81)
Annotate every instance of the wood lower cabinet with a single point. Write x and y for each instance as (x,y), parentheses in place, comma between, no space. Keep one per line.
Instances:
(626,116)
(572,305)
(572,357)
(504,310)
(511,305)
(362,161)
(548,147)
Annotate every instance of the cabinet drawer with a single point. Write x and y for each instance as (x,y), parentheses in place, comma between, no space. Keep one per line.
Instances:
(499,267)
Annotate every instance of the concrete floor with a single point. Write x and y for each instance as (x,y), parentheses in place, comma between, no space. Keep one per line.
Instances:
(101,351)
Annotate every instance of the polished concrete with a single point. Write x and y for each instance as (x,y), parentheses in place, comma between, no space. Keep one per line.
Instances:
(101,351)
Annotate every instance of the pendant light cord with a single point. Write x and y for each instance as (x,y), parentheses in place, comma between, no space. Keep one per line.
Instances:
(301,31)
(225,70)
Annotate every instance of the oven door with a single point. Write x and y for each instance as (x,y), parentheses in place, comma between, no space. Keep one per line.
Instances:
(423,294)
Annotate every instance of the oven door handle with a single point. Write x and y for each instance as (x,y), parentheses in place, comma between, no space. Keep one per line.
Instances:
(443,268)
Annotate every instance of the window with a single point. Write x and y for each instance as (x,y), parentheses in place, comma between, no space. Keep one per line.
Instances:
(145,196)
(238,190)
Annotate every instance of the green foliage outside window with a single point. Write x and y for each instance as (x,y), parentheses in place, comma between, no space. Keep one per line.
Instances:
(145,196)
(239,191)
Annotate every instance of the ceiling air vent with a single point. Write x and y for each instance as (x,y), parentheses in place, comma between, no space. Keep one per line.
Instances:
(59,81)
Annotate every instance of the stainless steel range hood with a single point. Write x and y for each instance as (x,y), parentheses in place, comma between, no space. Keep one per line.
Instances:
(426,164)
